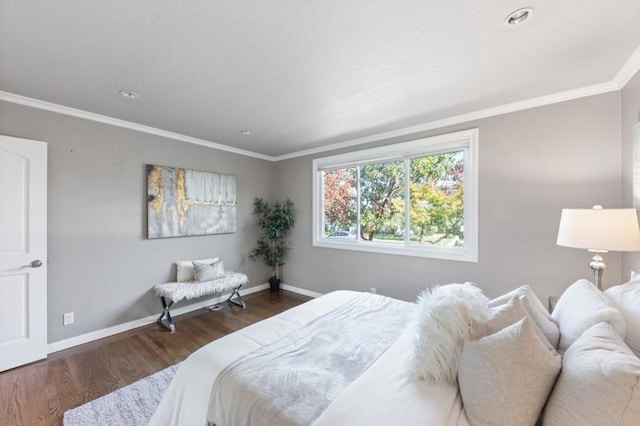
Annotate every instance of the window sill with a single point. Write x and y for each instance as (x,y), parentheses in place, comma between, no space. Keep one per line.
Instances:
(461,255)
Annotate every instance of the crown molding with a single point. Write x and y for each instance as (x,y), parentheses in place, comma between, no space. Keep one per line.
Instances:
(78,113)
(463,118)
(628,70)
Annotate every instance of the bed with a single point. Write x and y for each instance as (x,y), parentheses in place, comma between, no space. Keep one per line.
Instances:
(350,358)
(376,392)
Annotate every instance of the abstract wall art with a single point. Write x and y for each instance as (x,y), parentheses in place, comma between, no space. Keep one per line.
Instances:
(183,202)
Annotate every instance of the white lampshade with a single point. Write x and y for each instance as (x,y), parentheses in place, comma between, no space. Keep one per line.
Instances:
(599,229)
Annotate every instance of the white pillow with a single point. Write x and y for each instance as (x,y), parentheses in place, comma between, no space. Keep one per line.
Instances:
(580,307)
(599,383)
(536,310)
(444,317)
(184,269)
(527,292)
(626,297)
(505,378)
(208,271)
(502,317)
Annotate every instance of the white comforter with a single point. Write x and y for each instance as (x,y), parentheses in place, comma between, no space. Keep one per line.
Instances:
(382,395)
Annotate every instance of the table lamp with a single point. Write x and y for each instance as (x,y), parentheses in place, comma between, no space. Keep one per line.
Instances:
(599,231)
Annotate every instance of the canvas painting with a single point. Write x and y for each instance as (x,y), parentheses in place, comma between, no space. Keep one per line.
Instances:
(183,202)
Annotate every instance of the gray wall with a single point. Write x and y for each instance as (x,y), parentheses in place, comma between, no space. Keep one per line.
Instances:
(102,266)
(629,118)
(532,164)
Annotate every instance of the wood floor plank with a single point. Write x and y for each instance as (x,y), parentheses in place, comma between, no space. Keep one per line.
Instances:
(61,387)
(40,393)
(32,396)
(5,390)
(12,404)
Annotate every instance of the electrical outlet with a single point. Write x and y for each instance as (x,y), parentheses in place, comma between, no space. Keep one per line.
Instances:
(67,319)
(373,290)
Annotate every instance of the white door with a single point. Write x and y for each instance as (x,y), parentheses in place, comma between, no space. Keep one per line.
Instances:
(23,251)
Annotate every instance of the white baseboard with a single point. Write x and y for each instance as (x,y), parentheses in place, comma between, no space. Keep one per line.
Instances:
(120,328)
(299,290)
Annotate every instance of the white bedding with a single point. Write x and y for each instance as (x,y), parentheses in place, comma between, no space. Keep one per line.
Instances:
(381,395)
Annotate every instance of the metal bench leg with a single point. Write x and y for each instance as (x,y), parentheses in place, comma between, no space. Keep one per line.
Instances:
(165,318)
(236,298)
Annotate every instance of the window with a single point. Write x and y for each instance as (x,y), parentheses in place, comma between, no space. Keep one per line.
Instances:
(416,198)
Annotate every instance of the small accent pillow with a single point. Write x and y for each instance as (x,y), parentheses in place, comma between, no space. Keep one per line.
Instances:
(184,269)
(523,290)
(580,307)
(445,316)
(599,383)
(505,378)
(208,271)
(535,309)
(502,317)
(626,297)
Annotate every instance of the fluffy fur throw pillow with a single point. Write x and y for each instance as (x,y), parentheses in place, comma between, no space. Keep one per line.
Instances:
(445,317)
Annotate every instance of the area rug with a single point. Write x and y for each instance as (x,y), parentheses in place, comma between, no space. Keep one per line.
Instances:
(131,405)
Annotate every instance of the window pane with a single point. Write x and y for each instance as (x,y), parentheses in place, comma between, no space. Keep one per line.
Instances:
(436,204)
(415,198)
(340,208)
(382,202)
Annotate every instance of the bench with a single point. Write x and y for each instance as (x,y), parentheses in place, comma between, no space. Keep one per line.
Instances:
(171,293)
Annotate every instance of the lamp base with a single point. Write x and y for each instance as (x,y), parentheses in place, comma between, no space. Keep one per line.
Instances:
(597,267)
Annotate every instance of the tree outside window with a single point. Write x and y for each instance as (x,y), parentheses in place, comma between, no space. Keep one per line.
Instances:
(417,198)
(340,209)
(436,194)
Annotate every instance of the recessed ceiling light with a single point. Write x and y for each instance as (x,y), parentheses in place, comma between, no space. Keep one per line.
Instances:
(129,95)
(518,17)
(245,132)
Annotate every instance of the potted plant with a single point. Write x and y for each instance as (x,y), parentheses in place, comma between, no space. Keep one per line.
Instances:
(274,222)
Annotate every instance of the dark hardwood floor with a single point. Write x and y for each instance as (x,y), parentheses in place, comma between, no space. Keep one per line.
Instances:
(39,393)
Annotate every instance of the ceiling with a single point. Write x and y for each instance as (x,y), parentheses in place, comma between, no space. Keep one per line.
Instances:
(300,75)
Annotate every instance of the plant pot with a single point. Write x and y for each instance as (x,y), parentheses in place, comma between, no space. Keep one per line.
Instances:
(274,284)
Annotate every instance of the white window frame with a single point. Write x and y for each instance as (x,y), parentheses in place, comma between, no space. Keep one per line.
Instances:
(466,141)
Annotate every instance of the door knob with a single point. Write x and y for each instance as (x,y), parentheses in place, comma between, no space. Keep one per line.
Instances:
(35,264)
